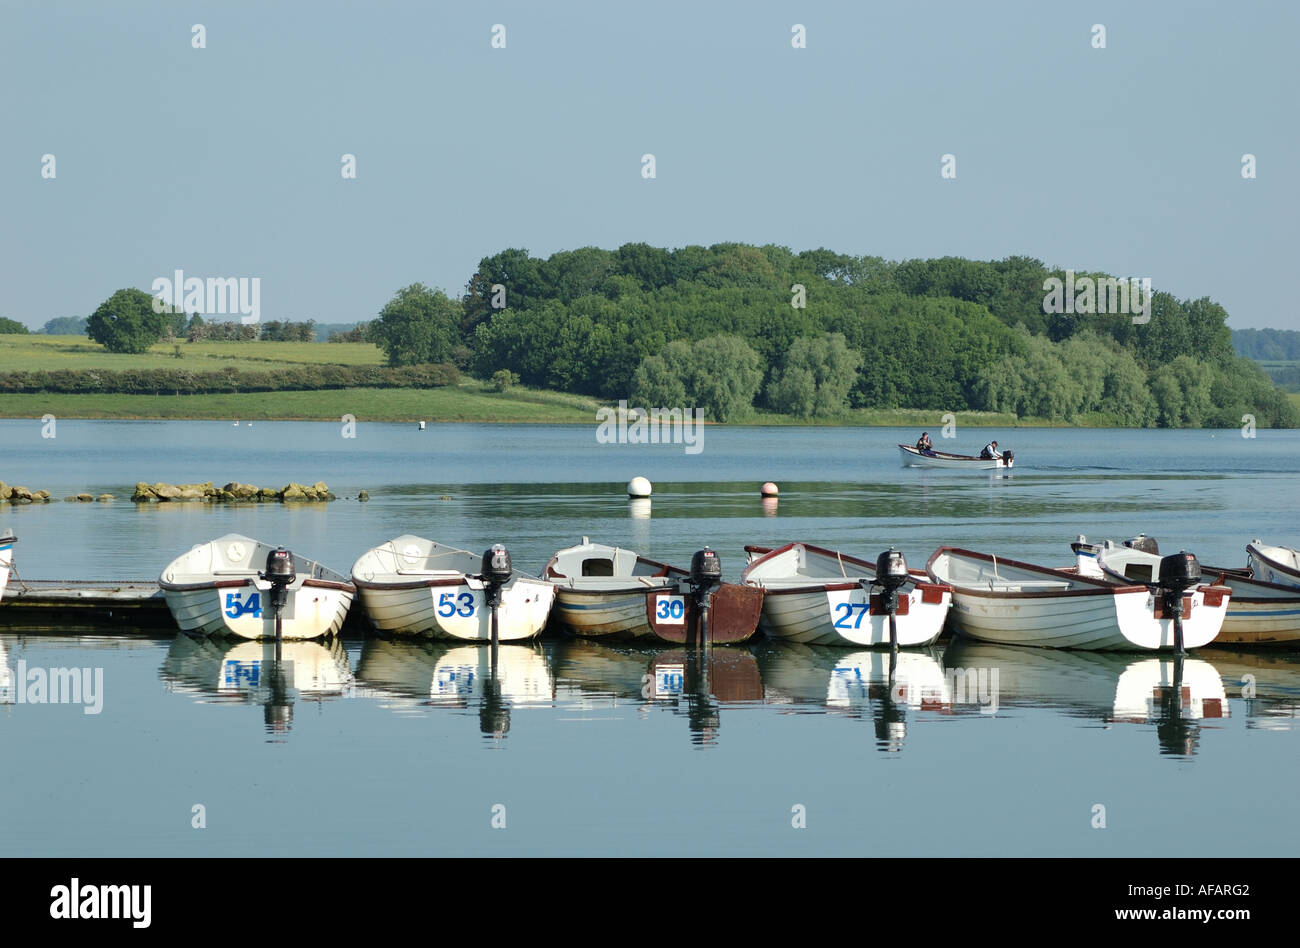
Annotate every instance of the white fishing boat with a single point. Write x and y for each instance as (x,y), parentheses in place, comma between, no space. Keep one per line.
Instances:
(7,541)
(601,590)
(821,597)
(1259,612)
(1014,603)
(1273,564)
(914,457)
(218,588)
(414,586)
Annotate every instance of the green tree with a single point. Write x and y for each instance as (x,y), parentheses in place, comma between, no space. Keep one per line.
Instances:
(816,377)
(12,327)
(126,322)
(418,325)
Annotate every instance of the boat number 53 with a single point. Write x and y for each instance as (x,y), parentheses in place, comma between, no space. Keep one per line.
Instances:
(462,605)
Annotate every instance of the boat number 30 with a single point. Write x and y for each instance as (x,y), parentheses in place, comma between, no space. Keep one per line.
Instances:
(670,610)
(461,605)
(237,605)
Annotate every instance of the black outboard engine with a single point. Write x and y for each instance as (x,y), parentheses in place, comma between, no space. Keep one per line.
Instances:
(706,568)
(496,572)
(706,572)
(1179,572)
(496,565)
(1145,544)
(1009,456)
(891,575)
(279,573)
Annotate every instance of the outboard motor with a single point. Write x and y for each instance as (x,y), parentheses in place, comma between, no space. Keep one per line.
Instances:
(891,575)
(706,572)
(1009,456)
(279,573)
(496,572)
(1179,572)
(1144,544)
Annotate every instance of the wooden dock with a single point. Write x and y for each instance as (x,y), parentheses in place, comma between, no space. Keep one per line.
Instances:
(57,603)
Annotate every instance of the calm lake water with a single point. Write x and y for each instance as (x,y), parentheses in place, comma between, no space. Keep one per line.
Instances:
(377,748)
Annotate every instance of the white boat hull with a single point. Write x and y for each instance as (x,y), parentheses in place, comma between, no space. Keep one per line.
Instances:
(816,596)
(838,617)
(244,611)
(1012,603)
(6,561)
(459,610)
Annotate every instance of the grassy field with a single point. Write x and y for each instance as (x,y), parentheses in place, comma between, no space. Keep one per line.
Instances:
(471,400)
(19,352)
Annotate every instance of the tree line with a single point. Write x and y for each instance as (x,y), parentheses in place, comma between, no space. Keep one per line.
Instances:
(734,328)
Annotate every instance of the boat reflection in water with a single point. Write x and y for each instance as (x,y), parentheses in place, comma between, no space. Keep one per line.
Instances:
(417,674)
(594,676)
(1267,680)
(698,681)
(1178,695)
(870,684)
(250,672)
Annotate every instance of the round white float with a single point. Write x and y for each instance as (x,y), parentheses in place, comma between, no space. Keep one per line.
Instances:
(638,487)
(768,490)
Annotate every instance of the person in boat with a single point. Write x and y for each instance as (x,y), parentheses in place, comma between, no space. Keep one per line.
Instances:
(991,452)
(923,444)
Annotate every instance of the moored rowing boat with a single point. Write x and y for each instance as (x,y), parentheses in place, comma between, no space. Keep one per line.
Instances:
(217,589)
(1015,603)
(414,586)
(822,597)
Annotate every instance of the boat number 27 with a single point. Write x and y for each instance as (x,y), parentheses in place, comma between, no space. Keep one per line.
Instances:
(848,608)
(237,605)
(461,605)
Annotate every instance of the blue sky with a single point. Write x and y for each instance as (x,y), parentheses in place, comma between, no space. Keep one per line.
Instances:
(225,161)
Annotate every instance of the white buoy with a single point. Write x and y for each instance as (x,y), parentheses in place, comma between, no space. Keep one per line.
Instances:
(421,426)
(638,487)
(769,490)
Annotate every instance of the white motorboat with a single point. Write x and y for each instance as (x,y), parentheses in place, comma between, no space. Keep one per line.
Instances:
(7,541)
(218,588)
(1014,603)
(822,597)
(1273,564)
(915,457)
(414,586)
(1259,613)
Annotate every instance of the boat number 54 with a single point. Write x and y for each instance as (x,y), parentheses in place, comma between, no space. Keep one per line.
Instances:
(670,610)
(237,606)
(462,605)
